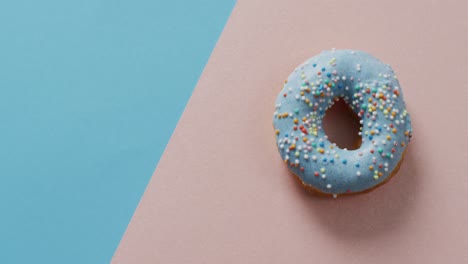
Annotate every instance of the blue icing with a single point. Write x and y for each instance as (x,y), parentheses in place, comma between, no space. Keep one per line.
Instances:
(356,77)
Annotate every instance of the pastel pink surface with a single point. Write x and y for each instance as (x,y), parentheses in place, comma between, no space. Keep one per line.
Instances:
(221,193)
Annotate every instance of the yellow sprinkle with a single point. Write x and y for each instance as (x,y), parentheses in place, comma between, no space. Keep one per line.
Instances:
(296,121)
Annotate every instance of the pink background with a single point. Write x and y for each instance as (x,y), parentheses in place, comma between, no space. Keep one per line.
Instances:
(221,194)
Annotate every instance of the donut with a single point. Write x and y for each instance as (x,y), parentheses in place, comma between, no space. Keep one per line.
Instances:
(372,91)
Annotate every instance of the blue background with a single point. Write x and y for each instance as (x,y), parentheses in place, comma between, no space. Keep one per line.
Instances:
(90,92)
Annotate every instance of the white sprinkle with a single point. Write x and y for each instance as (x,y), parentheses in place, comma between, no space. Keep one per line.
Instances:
(358,173)
(329,186)
(314,157)
(306,156)
(335,195)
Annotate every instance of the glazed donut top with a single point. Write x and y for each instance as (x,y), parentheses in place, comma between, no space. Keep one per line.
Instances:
(371,89)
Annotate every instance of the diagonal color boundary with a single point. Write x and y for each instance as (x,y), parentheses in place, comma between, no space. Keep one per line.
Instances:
(91,91)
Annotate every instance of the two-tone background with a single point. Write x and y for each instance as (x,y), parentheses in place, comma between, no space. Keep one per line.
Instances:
(93,93)
(90,92)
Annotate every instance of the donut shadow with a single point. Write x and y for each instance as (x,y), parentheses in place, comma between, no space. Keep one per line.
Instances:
(368,215)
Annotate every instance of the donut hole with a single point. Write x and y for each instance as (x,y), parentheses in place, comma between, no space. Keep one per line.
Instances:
(342,126)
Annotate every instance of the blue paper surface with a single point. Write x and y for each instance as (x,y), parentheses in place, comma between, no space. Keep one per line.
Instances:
(90,92)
